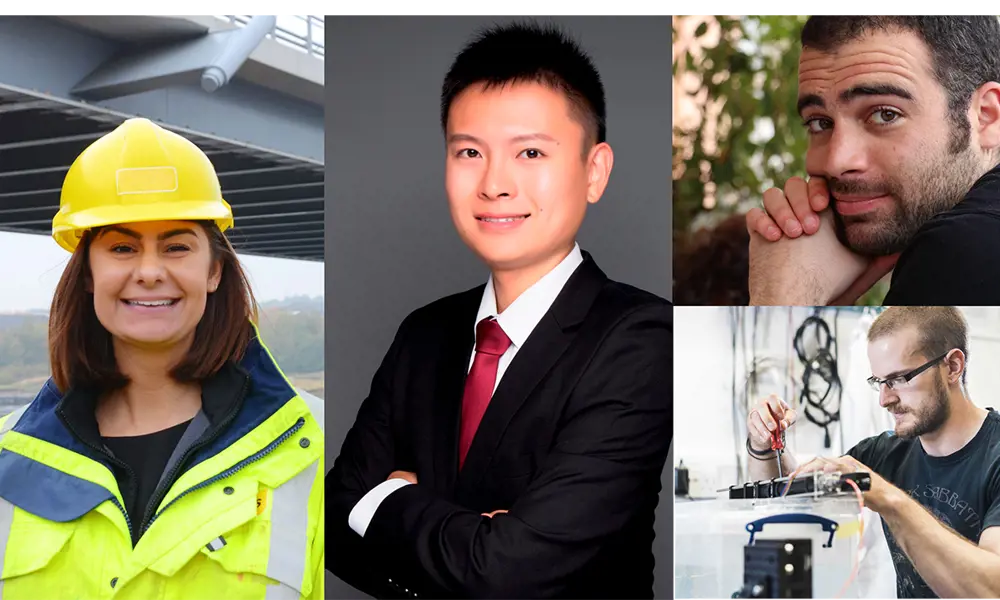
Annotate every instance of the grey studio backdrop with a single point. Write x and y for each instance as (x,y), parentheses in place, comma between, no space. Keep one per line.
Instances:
(390,244)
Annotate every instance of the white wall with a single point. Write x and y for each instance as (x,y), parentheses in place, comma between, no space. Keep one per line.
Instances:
(704,437)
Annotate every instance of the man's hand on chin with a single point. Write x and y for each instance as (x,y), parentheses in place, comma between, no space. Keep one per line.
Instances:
(801,211)
(811,270)
(407,475)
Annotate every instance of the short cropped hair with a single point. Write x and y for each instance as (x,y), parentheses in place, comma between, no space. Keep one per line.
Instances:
(527,52)
(940,328)
(965,52)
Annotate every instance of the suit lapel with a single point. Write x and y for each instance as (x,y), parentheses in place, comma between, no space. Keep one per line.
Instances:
(543,348)
(446,398)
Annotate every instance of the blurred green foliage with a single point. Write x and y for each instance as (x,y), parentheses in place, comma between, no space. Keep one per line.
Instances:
(292,330)
(753,72)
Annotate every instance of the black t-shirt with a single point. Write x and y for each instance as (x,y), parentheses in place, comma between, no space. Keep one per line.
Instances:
(955,257)
(961,490)
(147,455)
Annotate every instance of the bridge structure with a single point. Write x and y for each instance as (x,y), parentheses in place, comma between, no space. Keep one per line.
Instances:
(247,90)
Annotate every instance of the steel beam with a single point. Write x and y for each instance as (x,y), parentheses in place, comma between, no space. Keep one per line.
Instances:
(212,59)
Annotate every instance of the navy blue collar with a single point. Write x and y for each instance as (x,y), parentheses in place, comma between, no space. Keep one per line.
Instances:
(236,399)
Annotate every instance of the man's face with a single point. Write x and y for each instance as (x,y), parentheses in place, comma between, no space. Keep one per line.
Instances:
(920,406)
(517,174)
(879,133)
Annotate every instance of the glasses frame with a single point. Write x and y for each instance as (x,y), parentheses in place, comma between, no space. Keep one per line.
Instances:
(876,383)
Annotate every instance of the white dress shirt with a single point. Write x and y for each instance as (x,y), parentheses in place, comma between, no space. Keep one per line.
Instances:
(518,321)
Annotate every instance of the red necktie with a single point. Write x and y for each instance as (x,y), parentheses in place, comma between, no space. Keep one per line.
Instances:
(491,343)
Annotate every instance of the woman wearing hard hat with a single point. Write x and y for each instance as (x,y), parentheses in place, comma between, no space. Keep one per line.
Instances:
(168,456)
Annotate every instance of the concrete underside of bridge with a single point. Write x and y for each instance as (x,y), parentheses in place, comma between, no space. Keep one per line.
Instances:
(263,132)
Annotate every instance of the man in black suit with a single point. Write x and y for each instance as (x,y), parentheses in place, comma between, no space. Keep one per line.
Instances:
(514,435)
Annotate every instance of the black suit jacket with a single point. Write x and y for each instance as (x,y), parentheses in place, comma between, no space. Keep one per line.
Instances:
(573,445)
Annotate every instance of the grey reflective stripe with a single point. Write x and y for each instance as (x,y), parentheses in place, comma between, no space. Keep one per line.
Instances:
(199,425)
(6,518)
(6,508)
(315,404)
(12,420)
(216,544)
(286,561)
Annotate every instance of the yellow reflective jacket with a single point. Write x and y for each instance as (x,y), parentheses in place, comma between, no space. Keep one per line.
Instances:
(242,518)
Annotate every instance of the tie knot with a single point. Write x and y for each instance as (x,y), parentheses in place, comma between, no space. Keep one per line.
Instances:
(490,338)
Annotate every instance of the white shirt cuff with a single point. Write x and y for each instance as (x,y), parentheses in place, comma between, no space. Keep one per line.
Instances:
(363,512)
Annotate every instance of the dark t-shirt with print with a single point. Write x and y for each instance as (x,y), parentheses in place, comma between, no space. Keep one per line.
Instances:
(961,490)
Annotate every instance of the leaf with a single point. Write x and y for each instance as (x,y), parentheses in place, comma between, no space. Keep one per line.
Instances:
(761,47)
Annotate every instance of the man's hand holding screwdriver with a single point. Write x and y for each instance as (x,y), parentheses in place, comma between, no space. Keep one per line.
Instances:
(769,417)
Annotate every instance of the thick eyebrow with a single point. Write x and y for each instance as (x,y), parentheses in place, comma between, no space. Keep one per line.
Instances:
(464,137)
(531,137)
(902,371)
(894,374)
(136,235)
(879,89)
(527,137)
(858,91)
(810,100)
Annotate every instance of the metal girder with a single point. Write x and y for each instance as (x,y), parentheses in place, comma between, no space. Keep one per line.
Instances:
(212,59)
(274,102)
(277,197)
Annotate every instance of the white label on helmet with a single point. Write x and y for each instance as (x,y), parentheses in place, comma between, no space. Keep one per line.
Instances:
(146,180)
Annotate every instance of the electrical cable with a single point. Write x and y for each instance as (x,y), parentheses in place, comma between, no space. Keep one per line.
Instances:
(734,321)
(789,381)
(754,367)
(791,478)
(840,389)
(861,531)
(822,364)
(861,537)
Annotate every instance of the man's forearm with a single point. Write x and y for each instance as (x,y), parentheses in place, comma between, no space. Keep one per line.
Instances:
(952,566)
(761,468)
(768,287)
(775,296)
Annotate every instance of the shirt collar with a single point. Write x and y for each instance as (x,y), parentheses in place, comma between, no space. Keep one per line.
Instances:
(521,317)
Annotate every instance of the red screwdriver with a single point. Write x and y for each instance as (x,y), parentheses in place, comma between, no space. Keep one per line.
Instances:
(777,438)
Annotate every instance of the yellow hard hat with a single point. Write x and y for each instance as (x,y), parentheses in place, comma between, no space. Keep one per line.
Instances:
(138,172)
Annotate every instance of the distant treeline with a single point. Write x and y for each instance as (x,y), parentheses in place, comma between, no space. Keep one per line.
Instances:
(292,329)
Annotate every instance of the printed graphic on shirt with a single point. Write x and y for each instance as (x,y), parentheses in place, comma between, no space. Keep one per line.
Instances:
(951,509)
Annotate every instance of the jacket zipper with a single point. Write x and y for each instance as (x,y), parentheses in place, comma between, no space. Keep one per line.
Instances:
(118,463)
(162,490)
(233,469)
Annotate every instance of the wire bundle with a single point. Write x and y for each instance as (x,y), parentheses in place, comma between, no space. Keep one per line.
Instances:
(821,365)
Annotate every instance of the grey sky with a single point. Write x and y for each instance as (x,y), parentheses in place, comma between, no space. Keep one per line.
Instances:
(30,267)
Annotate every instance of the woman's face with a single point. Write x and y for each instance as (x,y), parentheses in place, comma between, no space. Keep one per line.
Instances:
(151,280)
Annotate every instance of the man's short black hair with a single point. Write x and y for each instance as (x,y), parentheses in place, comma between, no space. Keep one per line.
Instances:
(528,52)
(965,52)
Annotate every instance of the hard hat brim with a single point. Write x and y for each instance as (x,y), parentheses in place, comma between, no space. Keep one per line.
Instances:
(68,229)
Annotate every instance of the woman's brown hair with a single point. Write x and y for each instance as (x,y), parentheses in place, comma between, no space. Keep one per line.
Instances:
(80,349)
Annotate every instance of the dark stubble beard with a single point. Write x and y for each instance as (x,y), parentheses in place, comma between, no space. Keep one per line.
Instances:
(926,186)
(932,416)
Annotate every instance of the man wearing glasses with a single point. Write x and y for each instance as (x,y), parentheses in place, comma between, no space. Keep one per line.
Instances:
(936,476)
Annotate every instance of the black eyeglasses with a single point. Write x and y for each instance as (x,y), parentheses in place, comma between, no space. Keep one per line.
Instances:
(901,380)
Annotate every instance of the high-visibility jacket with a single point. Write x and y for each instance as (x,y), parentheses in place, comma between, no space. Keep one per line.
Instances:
(244,519)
